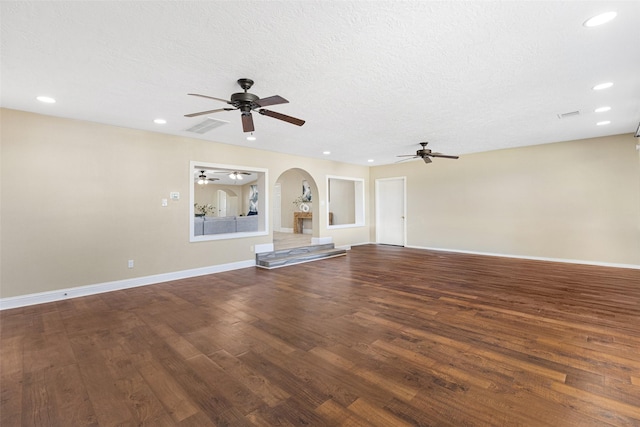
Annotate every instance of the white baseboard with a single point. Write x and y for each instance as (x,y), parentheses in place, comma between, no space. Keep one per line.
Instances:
(321,240)
(265,247)
(534,258)
(81,291)
(348,247)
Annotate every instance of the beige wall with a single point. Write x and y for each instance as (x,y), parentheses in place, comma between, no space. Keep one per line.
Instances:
(208,194)
(80,199)
(577,200)
(77,202)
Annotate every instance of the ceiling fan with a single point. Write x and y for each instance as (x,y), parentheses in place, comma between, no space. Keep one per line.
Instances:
(235,174)
(247,102)
(425,154)
(204,179)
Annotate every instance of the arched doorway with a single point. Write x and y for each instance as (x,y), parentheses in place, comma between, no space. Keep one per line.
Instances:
(295,209)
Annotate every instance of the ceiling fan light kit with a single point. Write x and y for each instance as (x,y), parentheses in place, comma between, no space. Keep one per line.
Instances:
(204,179)
(235,175)
(247,102)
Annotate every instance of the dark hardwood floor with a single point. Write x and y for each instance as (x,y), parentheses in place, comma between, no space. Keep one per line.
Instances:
(385,336)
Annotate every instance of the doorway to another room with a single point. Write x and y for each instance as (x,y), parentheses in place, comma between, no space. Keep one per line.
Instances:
(295,212)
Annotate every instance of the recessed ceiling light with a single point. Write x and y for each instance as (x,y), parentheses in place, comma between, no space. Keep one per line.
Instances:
(601,86)
(160,121)
(603,123)
(46,99)
(370,160)
(602,109)
(603,18)
(326,153)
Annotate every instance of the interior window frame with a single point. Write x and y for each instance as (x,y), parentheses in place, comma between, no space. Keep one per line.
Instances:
(263,201)
(359,202)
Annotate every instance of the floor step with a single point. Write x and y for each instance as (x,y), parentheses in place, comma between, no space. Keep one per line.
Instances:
(299,255)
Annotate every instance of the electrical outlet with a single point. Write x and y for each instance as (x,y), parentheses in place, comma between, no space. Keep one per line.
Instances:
(251,248)
(130,263)
(164,203)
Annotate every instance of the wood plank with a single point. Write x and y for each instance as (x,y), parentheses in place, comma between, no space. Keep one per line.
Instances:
(11,392)
(444,374)
(270,393)
(285,378)
(611,406)
(56,396)
(108,403)
(336,414)
(178,343)
(236,394)
(375,415)
(174,398)
(291,412)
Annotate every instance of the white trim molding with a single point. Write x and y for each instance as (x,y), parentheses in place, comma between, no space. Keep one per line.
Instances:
(533,258)
(264,247)
(321,240)
(81,291)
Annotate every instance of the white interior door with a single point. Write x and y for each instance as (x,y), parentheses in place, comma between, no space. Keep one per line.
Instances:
(232,205)
(390,211)
(222,203)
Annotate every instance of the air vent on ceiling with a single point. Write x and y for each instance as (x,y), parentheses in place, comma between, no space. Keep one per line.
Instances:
(569,114)
(206,125)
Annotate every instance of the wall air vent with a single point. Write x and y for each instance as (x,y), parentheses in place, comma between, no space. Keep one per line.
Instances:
(569,114)
(207,125)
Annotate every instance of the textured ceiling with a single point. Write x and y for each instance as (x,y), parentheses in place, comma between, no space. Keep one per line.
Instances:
(371,78)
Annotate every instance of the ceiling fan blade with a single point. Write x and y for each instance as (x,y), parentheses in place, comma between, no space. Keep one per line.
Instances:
(426,159)
(271,100)
(233,172)
(247,122)
(209,97)
(404,160)
(444,156)
(283,117)
(407,155)
(208,112)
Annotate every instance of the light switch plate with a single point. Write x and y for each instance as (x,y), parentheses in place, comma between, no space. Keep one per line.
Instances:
(174,195)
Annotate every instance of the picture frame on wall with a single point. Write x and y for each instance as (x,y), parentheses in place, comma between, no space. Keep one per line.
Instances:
(306,191)
(253,200)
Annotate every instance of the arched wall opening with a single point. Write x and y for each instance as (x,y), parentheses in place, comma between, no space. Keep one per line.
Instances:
(294,189)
